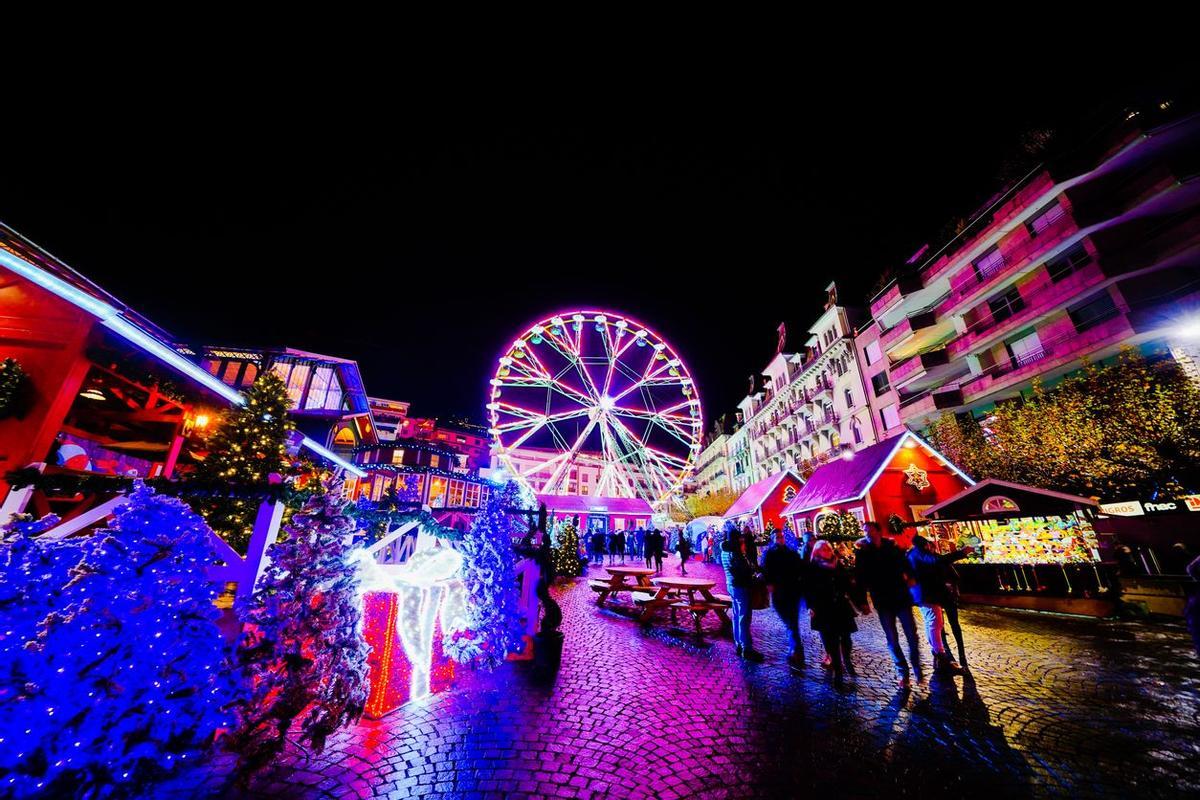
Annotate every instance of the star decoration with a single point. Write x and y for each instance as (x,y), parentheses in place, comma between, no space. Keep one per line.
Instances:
(917,477)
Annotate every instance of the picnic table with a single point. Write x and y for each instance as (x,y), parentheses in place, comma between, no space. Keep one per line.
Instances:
(618,582)
(693,595)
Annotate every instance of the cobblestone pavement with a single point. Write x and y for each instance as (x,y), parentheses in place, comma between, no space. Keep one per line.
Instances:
(1053,706)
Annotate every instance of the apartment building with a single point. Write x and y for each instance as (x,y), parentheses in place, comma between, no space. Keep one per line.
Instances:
(712,467)
(810,405)
(1085,255)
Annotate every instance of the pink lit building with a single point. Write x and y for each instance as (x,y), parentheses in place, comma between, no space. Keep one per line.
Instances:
(1083,256)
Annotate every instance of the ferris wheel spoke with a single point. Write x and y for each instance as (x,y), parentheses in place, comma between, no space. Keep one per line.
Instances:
(651,379)
(563,388)
(619,467)
(570,454)
(679,427)
(645,456)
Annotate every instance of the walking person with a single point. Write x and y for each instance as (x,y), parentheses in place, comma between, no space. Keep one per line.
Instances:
(739,577)
(684,548)
(929,592)
(660,542)
(881,569)
(648,547)
(619,545)
(950,611)
(598,548)
(831,594)
(783,569)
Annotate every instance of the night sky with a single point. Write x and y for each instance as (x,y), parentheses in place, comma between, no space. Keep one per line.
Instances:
(419,241)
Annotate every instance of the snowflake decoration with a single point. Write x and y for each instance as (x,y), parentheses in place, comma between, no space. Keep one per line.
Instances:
(917,477)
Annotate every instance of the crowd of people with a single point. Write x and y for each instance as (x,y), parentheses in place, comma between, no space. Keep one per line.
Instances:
(815,574)
(651,545)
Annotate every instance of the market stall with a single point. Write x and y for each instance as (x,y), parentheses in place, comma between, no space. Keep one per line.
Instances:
(893,483)
(1034,548)
(762,502)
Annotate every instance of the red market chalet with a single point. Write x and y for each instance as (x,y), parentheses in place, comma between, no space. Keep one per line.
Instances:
(102,392)
(894,481)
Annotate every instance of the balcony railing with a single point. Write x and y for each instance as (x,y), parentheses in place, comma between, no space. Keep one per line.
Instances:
(1047,298)
(976,282)
(1062,349)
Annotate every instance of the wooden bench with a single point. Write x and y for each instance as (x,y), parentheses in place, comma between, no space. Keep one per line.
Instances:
(600,586)
(723,599)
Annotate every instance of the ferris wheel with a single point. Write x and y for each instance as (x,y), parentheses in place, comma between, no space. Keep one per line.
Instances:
(593,393)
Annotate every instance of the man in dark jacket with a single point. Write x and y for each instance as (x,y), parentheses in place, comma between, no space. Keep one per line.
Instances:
(783,568)
(930,593)
(739,578)
(882,570)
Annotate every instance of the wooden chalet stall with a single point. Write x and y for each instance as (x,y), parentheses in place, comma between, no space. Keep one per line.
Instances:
(762,503)
(893,483)
(1035,548)
(422,473)
(599,514)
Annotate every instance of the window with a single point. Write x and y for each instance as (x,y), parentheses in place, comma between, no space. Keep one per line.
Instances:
(1075,258)
(849,399)
(232,368)
(858,437)
(873,353)
(318,388)
(456,494)
(250,374)
(988,264)
(881,383)
(435,461)
(1091,313)
(1005,305)
(1026,350)
(1051,213)
(890,417)
(398,456)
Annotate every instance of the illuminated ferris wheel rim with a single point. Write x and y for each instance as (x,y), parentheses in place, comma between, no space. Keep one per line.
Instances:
(633,466)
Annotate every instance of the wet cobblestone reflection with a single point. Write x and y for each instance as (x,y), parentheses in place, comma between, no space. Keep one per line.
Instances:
(1053,706)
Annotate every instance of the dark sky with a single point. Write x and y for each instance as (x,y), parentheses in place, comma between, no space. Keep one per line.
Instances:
(420,240)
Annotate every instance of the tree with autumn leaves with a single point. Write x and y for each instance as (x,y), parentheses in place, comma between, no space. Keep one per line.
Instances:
(1130,428)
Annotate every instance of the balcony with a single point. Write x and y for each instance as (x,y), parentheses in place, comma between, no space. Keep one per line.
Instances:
(969,284)
(923,404)
(896,291)
(1047,298)
(1051,356)
(906,328)
(924,370)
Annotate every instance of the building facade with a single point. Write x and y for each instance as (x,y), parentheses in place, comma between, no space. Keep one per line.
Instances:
(712,467)
(1084,256)
(811,405)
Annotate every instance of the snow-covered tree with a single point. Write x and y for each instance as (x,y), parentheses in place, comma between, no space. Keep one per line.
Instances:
(303,652)
(112,671)
(489,574)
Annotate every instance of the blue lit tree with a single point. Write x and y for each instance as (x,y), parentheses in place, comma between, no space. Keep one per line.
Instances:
(121,681)
(489,575)
(303,653)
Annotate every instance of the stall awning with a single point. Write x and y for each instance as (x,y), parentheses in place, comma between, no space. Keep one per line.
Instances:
(997,498)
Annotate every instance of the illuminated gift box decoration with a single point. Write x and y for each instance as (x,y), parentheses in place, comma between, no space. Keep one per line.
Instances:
(407,611)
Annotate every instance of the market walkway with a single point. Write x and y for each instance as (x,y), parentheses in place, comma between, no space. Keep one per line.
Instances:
(1054,706)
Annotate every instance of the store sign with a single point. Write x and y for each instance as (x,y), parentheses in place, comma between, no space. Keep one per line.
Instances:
(1192,501)
(1126,508)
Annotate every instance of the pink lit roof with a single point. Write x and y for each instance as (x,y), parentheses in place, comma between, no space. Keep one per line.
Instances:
(757,493)
(579,504)
(843,480)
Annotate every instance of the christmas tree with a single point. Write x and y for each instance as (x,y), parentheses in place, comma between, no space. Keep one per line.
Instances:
(566,552)
(246,448)
(493,622)
(303,652)
(121,682)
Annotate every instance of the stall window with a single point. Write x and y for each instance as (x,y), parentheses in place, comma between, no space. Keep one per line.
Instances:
(456,494)
(398,455)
